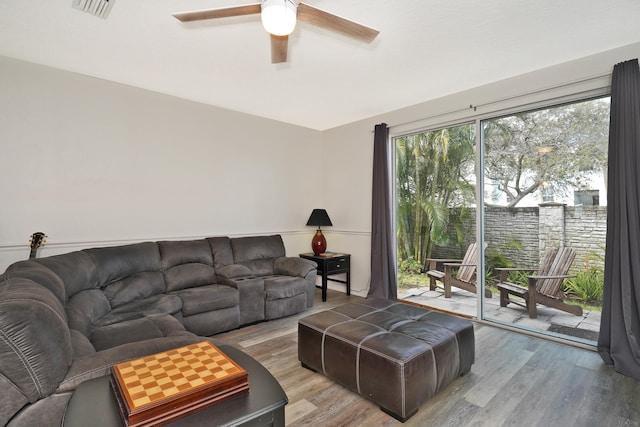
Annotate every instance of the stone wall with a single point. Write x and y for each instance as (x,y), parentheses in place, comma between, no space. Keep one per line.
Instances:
(524,234)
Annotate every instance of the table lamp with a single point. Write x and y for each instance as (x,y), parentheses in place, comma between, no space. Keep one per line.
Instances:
(319,218)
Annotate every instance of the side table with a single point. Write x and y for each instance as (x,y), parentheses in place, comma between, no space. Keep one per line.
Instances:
(339,263)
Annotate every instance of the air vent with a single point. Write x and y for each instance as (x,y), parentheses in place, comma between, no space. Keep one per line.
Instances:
(99,8)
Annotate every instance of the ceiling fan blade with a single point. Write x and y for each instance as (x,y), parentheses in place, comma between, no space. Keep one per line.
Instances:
(279,46)
(225,12)
(320,18)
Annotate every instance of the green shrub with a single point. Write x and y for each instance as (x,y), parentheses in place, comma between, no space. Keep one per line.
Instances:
(410,265)
(586,286)
(520,277)
(410,280)
(496,259)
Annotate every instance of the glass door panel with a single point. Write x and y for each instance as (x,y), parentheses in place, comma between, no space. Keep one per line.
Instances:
(545,215)
(435,207)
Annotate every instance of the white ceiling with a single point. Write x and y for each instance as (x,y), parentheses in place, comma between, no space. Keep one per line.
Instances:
(426,49)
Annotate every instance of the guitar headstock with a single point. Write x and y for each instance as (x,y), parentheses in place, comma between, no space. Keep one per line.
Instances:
(37,240)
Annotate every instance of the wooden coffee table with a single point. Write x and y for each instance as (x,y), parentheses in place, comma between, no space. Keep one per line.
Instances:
(94,404)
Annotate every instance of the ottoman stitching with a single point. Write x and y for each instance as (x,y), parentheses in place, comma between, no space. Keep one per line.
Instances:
(358,357)
(324,334)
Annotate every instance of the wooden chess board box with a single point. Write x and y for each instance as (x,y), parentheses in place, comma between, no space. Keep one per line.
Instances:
(162,387)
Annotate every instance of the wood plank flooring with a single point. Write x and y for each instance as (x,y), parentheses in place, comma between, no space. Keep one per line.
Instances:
(516,381)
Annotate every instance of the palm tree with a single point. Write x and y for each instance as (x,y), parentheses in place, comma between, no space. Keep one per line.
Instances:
(434,173)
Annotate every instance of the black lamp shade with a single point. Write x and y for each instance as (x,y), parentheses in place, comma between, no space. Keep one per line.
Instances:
(319,217)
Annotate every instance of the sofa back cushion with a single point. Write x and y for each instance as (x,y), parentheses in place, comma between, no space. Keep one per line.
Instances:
(76,269)
(258,253)
(187,264)
(257,247)
(135,287)
(41,275)
(35,349)
(85,308)
(221,251)
(128,273)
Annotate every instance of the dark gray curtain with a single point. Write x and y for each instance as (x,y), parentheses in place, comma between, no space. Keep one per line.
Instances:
(383,270)
(619,340)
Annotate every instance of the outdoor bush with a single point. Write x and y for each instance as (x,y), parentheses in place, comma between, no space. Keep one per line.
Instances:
(520,277)
(497,258)
(410,265)
(490,277)
(586,286)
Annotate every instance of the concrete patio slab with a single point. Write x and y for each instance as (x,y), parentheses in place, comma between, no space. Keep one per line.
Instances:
(464,303)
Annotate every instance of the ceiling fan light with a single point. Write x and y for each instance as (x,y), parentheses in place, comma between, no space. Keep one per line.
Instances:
(279,16)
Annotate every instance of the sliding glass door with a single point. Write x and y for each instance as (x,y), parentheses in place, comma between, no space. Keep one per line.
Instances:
(545,217)
(542,213)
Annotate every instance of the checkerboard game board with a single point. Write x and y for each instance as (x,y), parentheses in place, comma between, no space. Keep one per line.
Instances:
(168,385)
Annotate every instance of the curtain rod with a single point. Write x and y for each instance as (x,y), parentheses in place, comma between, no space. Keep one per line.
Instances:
(509,98)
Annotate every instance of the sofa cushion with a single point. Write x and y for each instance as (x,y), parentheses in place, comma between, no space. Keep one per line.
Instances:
(221,251)
(213,322)
(135,330)
(207,298)
(137,286)
(259,267)
(290,266)
(115,263)
(157,304)
(80,344)
(76,269)
(257,247)
(279,287)
(35,344)
(234,271)
(41,275)
(277,308)
(85,308)
(187,264)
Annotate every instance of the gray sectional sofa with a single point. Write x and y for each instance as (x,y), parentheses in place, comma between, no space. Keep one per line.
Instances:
(67,318)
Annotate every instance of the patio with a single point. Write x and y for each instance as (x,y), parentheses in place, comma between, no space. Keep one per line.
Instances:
(583,328)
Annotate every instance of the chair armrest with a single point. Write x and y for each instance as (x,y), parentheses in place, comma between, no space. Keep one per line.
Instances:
(292,266)
(564,276)
(504,270)
(433,262)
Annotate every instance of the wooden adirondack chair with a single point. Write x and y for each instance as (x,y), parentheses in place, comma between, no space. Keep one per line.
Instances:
(465,273)
(543,288)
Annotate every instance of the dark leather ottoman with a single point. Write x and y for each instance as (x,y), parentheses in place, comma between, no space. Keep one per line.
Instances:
(395,354)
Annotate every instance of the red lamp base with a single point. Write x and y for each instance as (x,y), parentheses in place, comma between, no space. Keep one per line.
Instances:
(319,243)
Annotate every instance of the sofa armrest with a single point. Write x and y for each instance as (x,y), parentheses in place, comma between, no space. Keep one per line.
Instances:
(292,266)
(233,271)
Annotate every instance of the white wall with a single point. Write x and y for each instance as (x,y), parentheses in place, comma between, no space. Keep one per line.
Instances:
(90,162)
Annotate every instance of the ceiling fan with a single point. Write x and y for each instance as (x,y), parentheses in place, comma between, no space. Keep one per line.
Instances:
(279,19)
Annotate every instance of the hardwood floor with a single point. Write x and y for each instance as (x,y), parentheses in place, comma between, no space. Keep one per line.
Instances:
(516,381)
